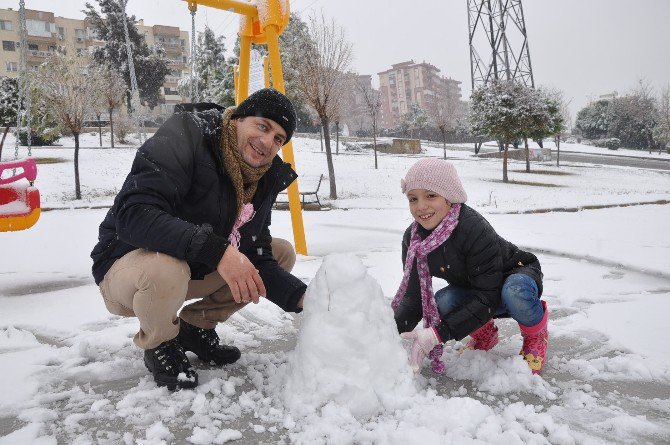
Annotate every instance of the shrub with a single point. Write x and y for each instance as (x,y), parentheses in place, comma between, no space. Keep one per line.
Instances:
(39,140)
(123,126)
(609,143)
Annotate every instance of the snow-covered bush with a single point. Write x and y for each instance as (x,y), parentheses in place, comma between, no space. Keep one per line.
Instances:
(45,137)
(123,126)
(610,143)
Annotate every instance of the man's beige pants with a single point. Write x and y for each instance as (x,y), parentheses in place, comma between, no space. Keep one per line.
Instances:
(153,286)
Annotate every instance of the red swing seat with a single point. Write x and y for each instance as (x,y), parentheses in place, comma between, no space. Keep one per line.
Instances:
(19,203)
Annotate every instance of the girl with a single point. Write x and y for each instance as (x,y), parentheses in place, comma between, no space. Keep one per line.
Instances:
(488,276)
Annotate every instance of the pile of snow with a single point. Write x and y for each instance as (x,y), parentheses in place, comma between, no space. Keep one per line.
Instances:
(348,351)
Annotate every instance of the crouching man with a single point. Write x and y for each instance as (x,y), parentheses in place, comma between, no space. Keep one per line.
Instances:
(192,222)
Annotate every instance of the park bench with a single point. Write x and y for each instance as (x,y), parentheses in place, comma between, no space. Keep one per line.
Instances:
(308,186)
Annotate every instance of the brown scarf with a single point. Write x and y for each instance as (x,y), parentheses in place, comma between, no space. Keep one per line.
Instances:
(245,177)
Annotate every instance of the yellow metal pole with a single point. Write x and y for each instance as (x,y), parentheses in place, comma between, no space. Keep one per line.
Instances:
(245,59)
(238,6)
(236,81)
(266,70)
(287,151)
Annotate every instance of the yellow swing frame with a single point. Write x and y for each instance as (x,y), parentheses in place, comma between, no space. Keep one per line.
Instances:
(263,30)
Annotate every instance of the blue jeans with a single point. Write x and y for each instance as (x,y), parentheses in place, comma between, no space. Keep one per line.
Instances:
(519,299)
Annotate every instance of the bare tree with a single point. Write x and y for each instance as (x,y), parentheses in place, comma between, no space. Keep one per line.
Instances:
(373,104)
(560,120)
(443,115)
(113,91)
(646,109)
(70,88)
(321,78)
(662,127)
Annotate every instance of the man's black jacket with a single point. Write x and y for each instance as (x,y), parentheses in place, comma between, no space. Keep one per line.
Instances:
(474,257)
(179,200)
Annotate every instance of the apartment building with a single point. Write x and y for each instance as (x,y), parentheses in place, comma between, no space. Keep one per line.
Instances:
(409,83)
(356,113)
(46,33)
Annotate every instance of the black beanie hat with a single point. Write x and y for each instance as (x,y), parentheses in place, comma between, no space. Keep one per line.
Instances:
(271,104)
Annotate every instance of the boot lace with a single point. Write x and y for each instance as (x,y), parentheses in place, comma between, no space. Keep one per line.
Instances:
(171,356)
(209,337)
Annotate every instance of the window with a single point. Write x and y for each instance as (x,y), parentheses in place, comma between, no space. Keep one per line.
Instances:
(33,47)
(38,28)
(61,32)
(12,66)
(5,25)
(8,46)
(80,35)
(183,59)
(183,42)
(52,48)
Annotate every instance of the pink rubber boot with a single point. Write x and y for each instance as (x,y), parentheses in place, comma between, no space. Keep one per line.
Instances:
(484,338)
(535,340)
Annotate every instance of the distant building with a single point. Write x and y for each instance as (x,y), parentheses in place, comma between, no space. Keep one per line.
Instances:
(609,96)
(357,113)
(47,33)
(409,83)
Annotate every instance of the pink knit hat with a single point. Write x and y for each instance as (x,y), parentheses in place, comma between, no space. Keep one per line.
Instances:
(436,175)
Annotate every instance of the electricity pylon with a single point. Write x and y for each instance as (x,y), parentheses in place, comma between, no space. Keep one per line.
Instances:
(498,42)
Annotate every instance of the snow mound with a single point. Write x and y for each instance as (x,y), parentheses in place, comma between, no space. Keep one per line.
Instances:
(348,350)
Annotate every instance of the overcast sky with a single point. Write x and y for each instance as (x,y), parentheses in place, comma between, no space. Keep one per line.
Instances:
(583,47)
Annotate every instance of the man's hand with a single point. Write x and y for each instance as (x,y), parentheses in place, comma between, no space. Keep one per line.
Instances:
(241,276)
(424,342)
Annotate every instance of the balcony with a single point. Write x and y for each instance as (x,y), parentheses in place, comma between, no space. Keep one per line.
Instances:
(176,64)
(38,56)
(169,45)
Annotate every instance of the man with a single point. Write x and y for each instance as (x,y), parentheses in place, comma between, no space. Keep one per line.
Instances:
(192,221)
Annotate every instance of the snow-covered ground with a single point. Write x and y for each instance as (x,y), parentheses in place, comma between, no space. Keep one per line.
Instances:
(72,375)
(583,148)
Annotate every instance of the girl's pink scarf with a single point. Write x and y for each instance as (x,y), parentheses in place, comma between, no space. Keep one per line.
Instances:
(246,214)
(419,250)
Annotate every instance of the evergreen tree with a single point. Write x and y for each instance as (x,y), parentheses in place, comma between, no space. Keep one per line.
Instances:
(594,119)
(633,119)
(497,110)
(151,67)
(210,68)
(9,99)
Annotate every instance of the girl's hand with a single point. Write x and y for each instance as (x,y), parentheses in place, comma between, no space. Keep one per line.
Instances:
(424,342)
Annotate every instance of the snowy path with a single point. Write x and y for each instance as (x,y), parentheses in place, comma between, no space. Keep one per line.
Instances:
(73,374)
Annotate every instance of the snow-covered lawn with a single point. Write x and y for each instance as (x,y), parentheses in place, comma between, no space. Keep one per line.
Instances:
(583,148)
(72,375)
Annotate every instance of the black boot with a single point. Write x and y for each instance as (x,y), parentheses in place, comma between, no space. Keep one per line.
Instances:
(205,344)
(170,366)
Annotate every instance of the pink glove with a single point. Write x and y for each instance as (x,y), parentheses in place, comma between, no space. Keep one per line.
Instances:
(424,342)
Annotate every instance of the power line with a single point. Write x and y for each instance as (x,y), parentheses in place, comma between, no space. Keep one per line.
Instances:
(307,7)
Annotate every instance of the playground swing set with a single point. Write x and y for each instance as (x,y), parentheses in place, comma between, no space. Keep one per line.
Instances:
(20,202)
(262,24)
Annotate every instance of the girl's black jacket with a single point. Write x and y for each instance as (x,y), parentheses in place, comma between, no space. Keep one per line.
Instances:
(475,257)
